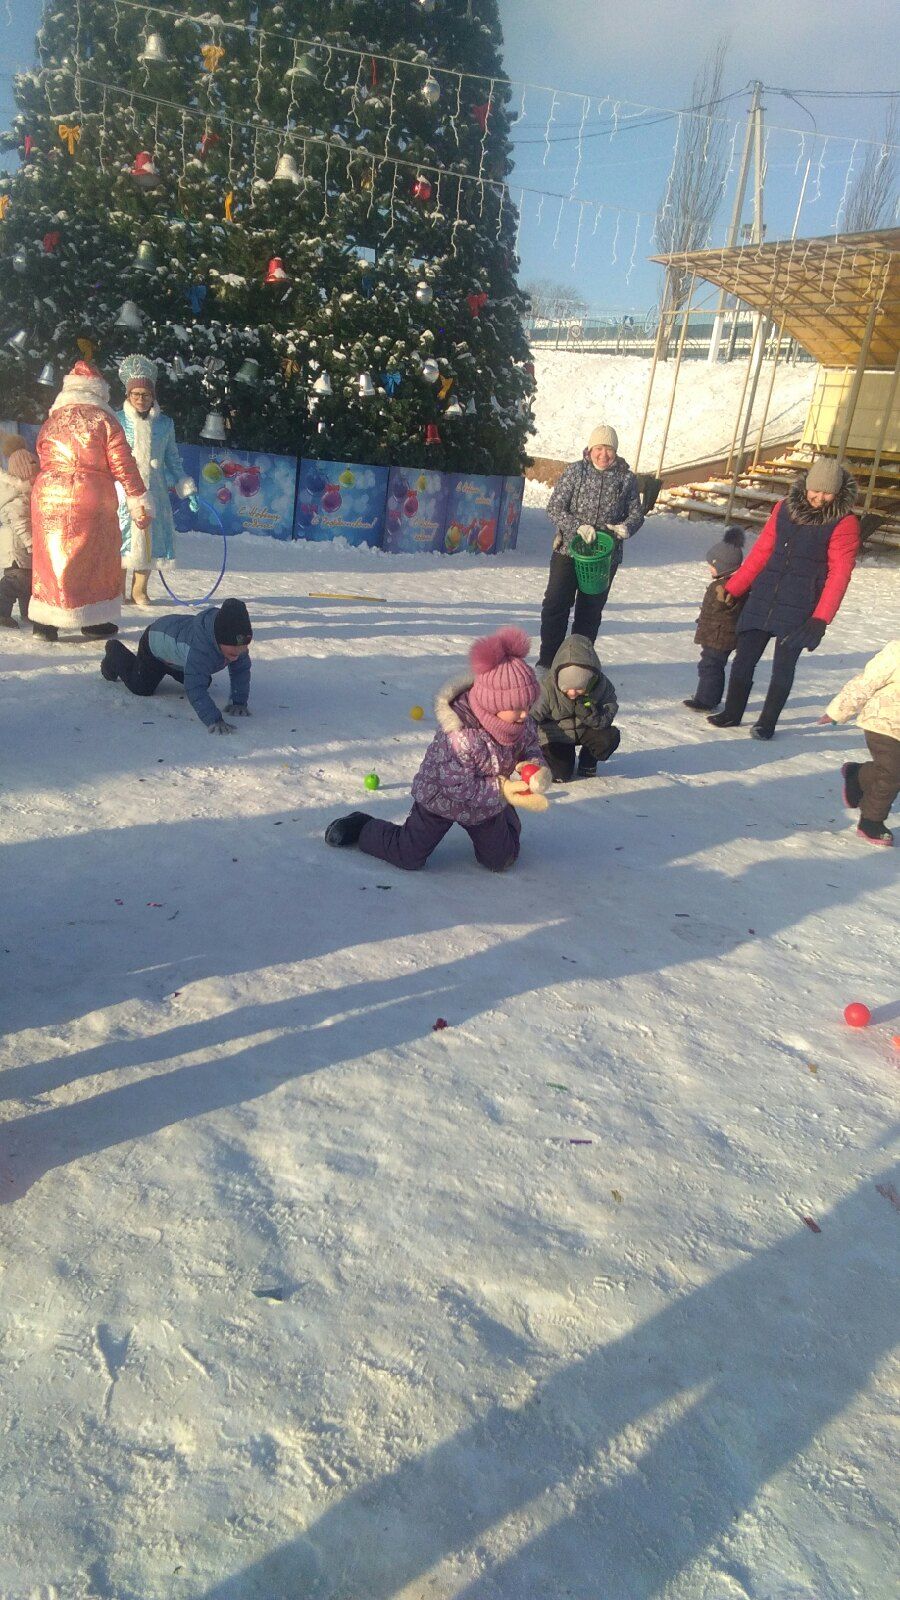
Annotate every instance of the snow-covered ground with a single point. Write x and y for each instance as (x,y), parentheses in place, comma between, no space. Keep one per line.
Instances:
(303,1300)
(573,388)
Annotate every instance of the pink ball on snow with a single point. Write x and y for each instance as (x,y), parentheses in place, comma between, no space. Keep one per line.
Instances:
(856,1015)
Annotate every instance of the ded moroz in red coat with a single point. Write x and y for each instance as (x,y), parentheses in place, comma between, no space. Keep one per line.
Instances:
(800,565)
(83,453)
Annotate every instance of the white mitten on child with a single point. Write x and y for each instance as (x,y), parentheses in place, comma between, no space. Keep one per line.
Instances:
(587,533)
(516,792)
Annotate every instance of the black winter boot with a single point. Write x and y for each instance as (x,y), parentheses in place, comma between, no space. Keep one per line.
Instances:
(761,730)
(725,719)
(346,830)
(100,630)
(107,669)
(694,704)
(852,785)
(8,622)
(44,630)
(874,832)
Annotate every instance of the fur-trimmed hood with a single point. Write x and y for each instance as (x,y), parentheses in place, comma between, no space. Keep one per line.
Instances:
(81,391)
(803,513)
(12,488)
(448,720)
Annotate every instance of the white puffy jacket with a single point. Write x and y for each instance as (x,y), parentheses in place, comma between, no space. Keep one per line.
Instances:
(15,521)
(874,693)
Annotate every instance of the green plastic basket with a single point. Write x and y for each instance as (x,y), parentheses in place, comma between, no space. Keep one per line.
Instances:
(593,562)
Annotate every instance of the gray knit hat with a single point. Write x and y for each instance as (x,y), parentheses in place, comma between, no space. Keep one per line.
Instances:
(825,476)
(727,555)
(574,677)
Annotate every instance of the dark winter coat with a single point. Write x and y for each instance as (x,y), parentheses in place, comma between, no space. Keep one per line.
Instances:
(607,499)
(561,720)
(189,645)
(462,774)
(801,563)
(717,623)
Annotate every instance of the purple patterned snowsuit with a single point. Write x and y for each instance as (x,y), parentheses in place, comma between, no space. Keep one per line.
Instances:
(459,781)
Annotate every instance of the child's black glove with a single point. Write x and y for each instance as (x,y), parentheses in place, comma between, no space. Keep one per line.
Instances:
(810,636)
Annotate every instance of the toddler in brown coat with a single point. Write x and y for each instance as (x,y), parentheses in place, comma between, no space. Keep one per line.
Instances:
(717,623)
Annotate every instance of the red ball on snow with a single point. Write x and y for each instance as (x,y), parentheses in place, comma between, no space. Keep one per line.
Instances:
(856,1015)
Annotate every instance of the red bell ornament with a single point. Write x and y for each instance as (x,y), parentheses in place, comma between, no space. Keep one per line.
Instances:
(421,188)
(275,272)
(432,434)
(476,303)
(51,242)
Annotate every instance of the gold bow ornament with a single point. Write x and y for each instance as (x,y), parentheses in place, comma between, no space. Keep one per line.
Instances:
(213,56)
(70,134)
(4,206)
(229,206)
(444,387)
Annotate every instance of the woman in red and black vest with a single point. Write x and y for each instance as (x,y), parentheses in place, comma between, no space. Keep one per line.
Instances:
(797,574)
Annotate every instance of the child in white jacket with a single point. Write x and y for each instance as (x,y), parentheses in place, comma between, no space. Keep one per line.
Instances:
(15,547)
(873,786)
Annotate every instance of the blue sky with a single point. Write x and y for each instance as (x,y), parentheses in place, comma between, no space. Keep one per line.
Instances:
(645,53)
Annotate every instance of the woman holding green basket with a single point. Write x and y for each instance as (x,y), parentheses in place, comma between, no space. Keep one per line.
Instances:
(594,508)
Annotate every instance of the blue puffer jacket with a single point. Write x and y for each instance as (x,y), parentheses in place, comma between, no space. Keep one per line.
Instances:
(189,645)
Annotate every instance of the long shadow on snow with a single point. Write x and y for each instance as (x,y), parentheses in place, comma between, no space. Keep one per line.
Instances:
(731,1383)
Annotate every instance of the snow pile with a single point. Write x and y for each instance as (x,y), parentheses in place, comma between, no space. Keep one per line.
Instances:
(575,392)
(303,1298)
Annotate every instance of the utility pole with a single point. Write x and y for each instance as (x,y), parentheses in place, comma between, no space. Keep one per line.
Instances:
(753,135)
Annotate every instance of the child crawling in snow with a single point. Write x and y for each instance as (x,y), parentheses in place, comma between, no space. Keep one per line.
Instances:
(470,773)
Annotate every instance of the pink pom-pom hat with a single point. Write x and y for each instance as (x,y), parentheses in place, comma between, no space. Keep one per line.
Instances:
(503,679)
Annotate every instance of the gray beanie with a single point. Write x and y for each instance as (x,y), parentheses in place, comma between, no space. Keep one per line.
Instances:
(727,555)
(825,476)
(604,435)
(574,677)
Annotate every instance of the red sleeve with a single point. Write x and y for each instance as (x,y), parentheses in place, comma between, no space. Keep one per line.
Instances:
(752,565)
(842,550)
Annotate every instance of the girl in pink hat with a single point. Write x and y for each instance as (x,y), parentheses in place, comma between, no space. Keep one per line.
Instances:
(471,773)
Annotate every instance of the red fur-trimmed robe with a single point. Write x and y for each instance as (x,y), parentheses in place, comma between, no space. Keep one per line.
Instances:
(83,451)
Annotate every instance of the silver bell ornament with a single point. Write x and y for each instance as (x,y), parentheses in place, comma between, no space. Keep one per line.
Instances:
(129,315)
(431,90)
(424,294)
(471,409)
(305,66)
(366,386)
(47,376)
(145,260)
(286,171)
(19,342)
(154,49)
(430,370)
(322,384)
(20,262)
(454,409)
(247,372)
(214,427)
(178,367)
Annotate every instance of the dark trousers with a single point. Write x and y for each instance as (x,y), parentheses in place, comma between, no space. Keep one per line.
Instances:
(562,590)
(750,647)
(15,585)
(141,673)
(879,778)
(598,745)
(711,676)
(496,841)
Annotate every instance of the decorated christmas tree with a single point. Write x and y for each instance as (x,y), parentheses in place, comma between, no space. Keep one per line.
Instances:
(299,209)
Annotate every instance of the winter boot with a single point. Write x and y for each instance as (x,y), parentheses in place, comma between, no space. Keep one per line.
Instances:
(874,832)
(107,669)
(8,622)
(44,630)
(693,704)
(100,630)
(139,589)
(852,786)
(587,765)
(761,730)
(345,831)
(725,719)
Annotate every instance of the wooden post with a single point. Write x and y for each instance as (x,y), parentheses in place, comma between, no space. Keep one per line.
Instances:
(653,365)
(882,433)
(765,415)
(757,353)
(740,409)
(858,374)
(686,317)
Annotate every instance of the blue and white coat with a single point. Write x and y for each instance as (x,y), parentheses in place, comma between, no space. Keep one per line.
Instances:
(152,441)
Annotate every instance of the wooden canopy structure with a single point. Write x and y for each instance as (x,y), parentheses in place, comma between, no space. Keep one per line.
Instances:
(838,295)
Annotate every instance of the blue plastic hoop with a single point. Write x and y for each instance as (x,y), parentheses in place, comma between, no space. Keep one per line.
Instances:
(215,586)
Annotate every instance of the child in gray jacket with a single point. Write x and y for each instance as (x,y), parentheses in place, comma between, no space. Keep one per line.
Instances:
(190,649)
(15,547)
(577,707)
